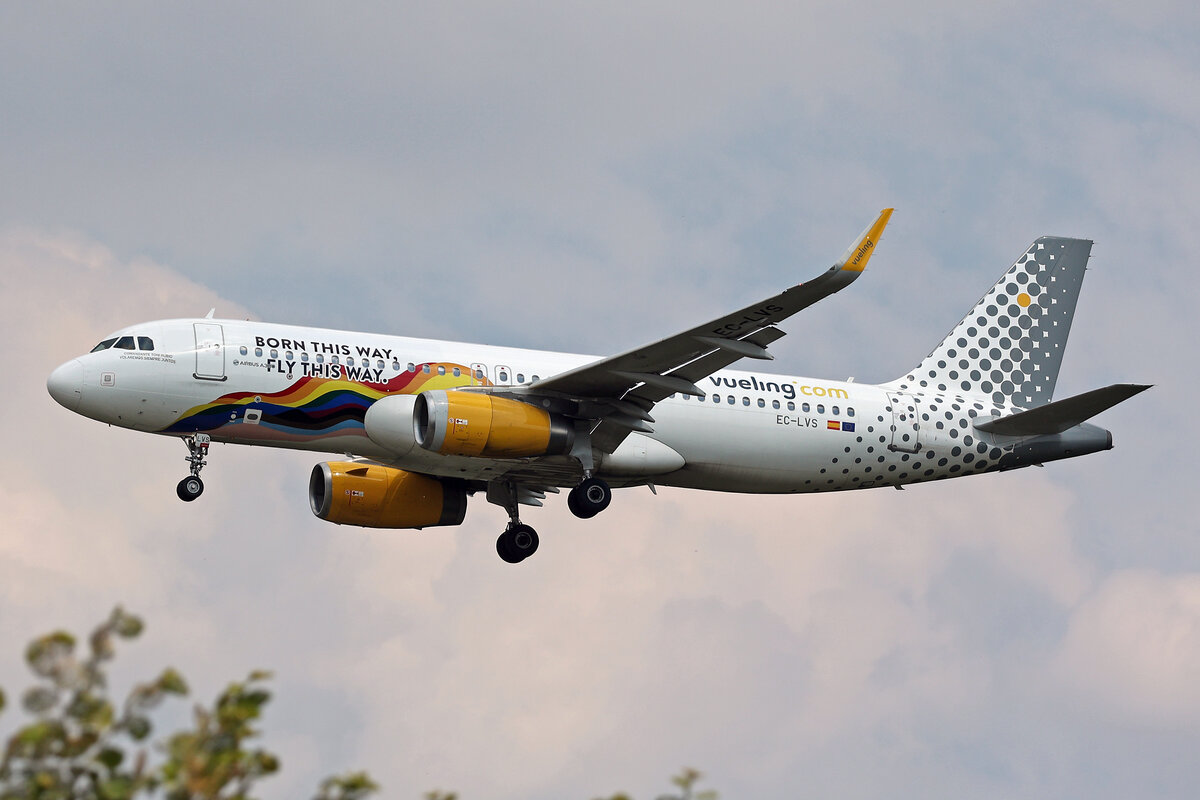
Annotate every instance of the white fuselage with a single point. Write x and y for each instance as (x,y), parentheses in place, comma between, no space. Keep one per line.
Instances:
(308,388)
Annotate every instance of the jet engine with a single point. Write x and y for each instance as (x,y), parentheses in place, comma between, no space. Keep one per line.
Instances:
(471,424)
(375,496)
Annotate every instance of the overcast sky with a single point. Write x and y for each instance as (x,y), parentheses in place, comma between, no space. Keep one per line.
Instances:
(589,177)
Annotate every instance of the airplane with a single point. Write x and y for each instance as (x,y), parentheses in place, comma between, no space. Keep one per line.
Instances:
(425,424)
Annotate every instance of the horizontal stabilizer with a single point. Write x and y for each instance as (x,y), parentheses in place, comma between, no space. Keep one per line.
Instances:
(1061,415)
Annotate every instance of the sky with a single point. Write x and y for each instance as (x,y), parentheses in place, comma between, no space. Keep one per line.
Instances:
(589,177)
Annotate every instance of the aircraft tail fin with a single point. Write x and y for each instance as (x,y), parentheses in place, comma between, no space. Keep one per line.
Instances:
(1060,415)
(1010,346)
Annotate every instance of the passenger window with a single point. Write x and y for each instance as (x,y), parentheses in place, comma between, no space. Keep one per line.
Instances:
(536,379)
(835,411)
(478,374)
(124,343)
(395,365)
(425,368)
(379,364)
(746,401)
(320,358)
(503,376)
(145,343)
(412,367)
(304,358)
(289,355)
(441,369)
(258,352)
(334,360)
(275,354)
(520,377)
(805,408)
(243,350)
(791,406)
(732,400)
(349,361)
(107,343)
(762,403)
(820,408)
(775,404)
(850,411)
(457,372)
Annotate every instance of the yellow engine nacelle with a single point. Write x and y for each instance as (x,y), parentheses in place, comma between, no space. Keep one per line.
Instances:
(375,496)
(471,424)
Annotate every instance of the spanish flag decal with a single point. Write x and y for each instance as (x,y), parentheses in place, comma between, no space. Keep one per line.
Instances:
(833,425)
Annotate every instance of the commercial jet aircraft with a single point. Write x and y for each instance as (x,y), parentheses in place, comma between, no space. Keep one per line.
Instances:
(424,423)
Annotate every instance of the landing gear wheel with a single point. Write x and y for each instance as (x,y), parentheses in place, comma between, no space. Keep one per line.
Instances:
(589,498)
(190,488)
(517,543)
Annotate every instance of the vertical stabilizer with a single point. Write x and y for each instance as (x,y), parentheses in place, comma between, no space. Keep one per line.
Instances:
(1010,346)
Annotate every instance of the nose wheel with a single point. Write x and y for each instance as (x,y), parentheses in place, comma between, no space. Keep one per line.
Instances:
(189,488)
(192,487)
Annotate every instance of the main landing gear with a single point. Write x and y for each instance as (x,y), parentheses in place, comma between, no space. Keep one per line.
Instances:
(589,498)
(192,487)
(519,541)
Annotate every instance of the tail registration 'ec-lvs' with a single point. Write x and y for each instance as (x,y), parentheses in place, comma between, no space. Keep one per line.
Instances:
(430,423)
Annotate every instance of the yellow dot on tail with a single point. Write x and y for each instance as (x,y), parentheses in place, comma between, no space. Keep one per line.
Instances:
(1023,300)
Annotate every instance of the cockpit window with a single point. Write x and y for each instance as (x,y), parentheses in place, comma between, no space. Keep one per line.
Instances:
(125,343)
(145,343)
(107,343)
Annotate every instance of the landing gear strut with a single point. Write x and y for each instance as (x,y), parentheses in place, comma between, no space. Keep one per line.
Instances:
(192,487)
(519,541)
(589,498)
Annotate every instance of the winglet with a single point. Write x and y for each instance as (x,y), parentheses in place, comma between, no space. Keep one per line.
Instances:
(856,257)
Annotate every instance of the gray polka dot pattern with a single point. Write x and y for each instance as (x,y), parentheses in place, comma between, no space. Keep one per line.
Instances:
(1009,348)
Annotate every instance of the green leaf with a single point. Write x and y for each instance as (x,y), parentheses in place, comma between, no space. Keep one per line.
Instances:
(358,785)
(126,625)
(39,699)
(267,763)
(38,738)
(91,711)
(171,682)
(46,654)
(110,757)
(117,788)
(138,727)
(102,646)
(76,746)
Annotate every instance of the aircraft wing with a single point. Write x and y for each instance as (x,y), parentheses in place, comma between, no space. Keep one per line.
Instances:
(629,384)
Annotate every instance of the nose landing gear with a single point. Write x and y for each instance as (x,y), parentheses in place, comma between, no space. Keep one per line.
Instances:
(192,487)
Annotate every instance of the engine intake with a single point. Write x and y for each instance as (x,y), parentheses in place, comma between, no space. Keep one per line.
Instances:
(375,496)
(471,424)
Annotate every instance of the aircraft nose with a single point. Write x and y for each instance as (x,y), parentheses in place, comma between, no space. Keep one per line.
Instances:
(65,384)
